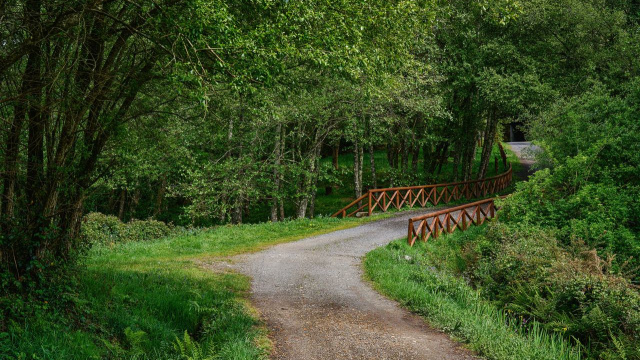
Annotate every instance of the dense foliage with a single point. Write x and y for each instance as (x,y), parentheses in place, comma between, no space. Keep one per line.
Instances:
(207,112)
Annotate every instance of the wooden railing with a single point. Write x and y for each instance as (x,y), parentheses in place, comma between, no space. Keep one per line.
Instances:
(448,220)
(383,199)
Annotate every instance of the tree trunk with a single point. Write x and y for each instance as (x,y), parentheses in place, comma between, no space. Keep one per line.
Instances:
(357,185)
(314,190)
(456,164)
(276,174)
(405,155)
(503,155)
(236,213)
(162,189)
(468,160)
(415,157)
(361,164)
(444,158)
(123,198)
(135,200)
(489,137)
(336,154)
(308,183)
(372,164)
(11,160)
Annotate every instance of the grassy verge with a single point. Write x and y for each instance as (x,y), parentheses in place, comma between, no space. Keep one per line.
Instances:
(406,274)
(152,300)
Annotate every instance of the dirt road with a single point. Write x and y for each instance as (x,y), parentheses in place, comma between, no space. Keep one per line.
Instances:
(317,306)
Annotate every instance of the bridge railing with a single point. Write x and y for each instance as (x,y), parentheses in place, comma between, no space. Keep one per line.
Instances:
(448,220)
(410,196)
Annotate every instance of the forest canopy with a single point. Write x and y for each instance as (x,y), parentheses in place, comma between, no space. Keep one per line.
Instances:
(208,112)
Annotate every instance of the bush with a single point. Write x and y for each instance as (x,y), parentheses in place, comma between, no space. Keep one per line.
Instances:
(528,273)
(104,229)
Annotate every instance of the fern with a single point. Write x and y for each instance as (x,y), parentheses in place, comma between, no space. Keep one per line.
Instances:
(136,340)
(622,352)
(191,350)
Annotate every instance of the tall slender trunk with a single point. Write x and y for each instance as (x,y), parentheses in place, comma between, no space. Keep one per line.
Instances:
(489,137)
(162,189)
(357,168)
(456,164)
(123,198)
(414,158)
(405,155)
(307,186)
(425,158)
(314,191)
(336,154)
(11,159)
(503,155)
(443,158)
(236,212)
(276,174)
(361,164)
(468,159)
(281,210)
(372,164)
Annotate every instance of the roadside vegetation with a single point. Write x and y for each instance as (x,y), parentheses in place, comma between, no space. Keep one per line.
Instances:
(420,279)
(135,297)
(126,124)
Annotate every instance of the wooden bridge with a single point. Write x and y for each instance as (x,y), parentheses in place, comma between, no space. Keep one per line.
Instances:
(448,220)
(411,196)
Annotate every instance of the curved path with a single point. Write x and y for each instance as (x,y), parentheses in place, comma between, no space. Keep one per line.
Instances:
(317,306)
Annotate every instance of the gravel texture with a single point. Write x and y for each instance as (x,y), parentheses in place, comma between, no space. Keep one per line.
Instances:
(525,152)
(313,298)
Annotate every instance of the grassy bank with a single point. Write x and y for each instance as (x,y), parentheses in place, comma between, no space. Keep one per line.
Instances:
(447,302)
(154,300)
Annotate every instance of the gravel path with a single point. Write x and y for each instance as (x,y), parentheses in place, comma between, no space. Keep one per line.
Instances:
(317,306)
(312,295)
(525,152)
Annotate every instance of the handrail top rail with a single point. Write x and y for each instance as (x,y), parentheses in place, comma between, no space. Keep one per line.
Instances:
(370,193)
(365,195)
(441,184)
(460,207)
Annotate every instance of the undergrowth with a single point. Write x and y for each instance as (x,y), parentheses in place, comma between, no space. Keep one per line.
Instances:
(449,303)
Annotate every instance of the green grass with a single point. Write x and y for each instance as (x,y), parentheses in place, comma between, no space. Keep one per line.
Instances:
(409,276)
(135,300)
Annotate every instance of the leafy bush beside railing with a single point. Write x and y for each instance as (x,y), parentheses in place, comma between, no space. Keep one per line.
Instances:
(104,229)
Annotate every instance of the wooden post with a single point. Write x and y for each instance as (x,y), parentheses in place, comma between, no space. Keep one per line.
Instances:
(384,201)
(410,233)
(464,220)
(434,228)
(370,202)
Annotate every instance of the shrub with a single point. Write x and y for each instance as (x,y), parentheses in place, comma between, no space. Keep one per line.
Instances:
(104,229)
(528,273)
